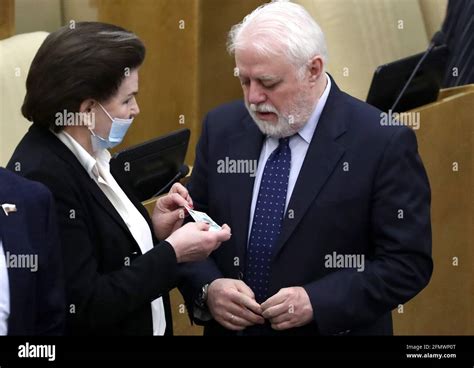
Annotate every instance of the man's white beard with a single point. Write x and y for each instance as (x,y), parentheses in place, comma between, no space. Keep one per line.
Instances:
(300,111)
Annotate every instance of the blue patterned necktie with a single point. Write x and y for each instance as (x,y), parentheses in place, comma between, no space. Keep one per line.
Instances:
(268,218)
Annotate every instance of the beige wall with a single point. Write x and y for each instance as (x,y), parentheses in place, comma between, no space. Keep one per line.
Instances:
(79,10)
(49,15)
(363,34)
(37,15)
(433,12)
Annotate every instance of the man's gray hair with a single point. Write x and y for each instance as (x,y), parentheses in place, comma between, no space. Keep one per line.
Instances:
(280,27)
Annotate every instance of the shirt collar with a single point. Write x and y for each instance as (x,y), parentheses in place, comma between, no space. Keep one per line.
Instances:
(308,129)
(85,159)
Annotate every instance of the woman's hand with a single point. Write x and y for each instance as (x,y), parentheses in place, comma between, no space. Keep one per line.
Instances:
(168,214)
(194,242)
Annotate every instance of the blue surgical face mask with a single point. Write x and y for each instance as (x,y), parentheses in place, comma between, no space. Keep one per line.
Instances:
(117,133)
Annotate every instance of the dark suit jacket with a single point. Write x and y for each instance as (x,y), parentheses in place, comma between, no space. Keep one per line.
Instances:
(355,179)
(458,29)
(109,286)
(37,305)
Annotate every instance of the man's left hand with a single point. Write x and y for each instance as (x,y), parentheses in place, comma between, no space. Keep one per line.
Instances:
(288,308)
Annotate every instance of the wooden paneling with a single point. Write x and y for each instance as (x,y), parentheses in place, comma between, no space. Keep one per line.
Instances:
(446,146)
(361,35)
(7,18)
(217,83)
(168,78)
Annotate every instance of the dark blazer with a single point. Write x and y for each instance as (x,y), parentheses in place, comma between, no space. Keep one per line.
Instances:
(37,305)
(355,179)
(109,288)
(458,29)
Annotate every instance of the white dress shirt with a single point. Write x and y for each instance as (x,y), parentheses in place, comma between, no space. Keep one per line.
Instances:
(4,293)
(299,144)
(99,170)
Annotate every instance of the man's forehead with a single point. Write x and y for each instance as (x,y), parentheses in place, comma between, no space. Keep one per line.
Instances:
(264,68)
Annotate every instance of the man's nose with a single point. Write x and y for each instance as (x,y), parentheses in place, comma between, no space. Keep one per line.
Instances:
(255,94)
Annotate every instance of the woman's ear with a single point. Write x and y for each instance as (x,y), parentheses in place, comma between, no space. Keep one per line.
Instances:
(87,105)
(86,113)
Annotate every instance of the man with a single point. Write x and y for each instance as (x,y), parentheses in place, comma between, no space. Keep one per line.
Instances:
(332,231)
(31,284)
(458,29)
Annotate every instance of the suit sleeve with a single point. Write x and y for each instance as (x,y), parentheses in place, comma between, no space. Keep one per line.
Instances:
(51,311)
(194,275)
(97,300)
(401,265)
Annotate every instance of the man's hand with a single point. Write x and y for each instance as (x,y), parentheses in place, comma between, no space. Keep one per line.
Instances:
(232,304)
(288,308)
(168,214)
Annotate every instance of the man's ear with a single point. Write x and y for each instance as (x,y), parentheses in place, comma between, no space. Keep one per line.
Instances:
(87,105)
(315,66)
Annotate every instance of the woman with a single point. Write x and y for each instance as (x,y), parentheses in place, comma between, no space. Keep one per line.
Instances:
(117,279)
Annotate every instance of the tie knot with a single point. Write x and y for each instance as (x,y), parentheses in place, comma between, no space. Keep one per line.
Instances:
(284,142)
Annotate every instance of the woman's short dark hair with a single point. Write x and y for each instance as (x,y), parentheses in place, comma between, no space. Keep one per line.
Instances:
(89,60)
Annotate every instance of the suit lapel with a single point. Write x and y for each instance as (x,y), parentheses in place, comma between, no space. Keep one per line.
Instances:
(104,202)
(245,145)
(321,158)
